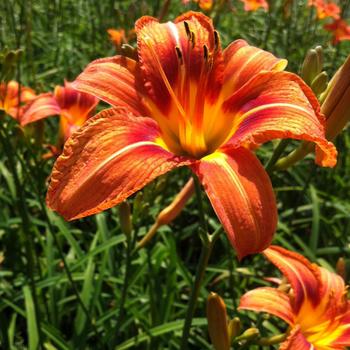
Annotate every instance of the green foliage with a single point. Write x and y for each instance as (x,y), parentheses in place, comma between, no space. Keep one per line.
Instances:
(80,285)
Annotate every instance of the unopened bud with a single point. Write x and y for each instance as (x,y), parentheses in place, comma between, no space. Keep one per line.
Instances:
(310,67)
(276,339)
(125,218)
(234,328)
(319,51)
(168,214)
(217,322)
(336,105)
(319,84)
(341,268)
(249,334)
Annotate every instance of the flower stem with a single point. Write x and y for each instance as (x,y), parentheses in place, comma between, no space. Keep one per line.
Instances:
(276,155)
(207,246)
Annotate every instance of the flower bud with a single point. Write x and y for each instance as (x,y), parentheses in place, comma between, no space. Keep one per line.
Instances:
(125,218)
(169,213)
(319,84)
(217,322)
(234,328)
(341,268)
(336,101)
(311,66)
(249,334)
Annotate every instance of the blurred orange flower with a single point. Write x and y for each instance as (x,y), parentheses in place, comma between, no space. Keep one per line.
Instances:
(340,30)
(205,5)
(325,9)
(253,5)
(13,97)
(120,37)
(187,102)
(74,108)
(316,307)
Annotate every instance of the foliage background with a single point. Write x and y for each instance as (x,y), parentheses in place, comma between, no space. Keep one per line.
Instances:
(108,299)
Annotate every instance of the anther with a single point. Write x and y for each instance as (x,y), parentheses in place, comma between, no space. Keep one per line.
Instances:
(179,55)
(206,53)
(193,39)
(216,40)
(188,31)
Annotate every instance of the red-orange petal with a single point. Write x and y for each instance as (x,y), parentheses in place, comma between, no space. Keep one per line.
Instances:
(303,276)
(11,101)
(174,54)
(242,196)
(43,106)
(270,300)
(296,341)
(242,62)
(278,105)
(75,105)
(111,157)
(114,80)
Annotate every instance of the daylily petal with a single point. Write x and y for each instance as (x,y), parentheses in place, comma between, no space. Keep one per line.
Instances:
(243,61)
(278,105)
(41,107)
(75,105)
(270,300)
(242,196)
(9,101)
(296,341)
(343,329)
(114,80)
(303,276)
(175,55)
(111,157)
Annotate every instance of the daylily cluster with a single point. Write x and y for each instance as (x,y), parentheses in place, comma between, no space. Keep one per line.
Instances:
(316,306)
(13,98)
(73,107)
(253,5)
(329,9)
(325,9)
(185,101)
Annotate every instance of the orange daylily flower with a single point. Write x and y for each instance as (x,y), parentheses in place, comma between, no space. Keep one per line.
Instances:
(13,97)
(253,5)
(120,37)
(117,36)
(205,5)
(325,9)
(74,108)
(316,308)
(187,102)
(340,30)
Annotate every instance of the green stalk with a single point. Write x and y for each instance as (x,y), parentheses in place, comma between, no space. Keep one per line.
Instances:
(276,155)
(26,224)
(207,246)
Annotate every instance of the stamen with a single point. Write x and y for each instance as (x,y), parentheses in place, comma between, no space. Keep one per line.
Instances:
(165,80)
(187,28)
(193,39)
(216,40)
(206,53)
(179,55)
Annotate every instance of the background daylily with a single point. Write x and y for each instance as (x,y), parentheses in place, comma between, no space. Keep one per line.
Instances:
(325,9)
(74,108)
(13,97)
(340,30)
(316,308)
(253,5)
(187,102)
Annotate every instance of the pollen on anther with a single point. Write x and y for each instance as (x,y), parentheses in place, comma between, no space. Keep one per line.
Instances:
(179,55)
